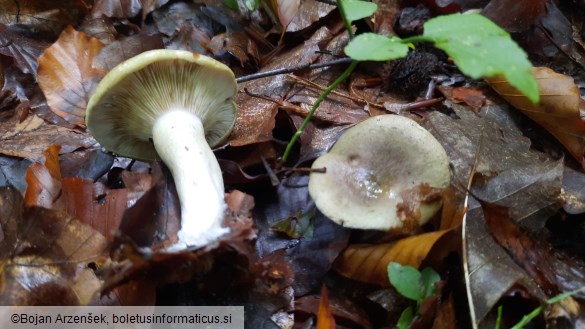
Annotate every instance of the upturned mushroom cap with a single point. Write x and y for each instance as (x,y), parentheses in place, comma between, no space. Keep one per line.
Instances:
(124,107)
(371,166)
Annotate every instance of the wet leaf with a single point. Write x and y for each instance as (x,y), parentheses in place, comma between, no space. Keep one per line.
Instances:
(311,259)
(23,50)
(558,111)
(44,180)
(42,18)
(256,116)
(515,16)
(553,272)
(325,319)
(93,204)
(509,172)
(121,9)
(31,137)
(67,76)
(45,255)
(121,50)
(286,10)
(369,262)
(309,12)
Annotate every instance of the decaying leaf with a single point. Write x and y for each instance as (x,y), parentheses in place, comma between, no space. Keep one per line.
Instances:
(44,255)
(558,110)
(554,273)
(42,17)
(369,263)
(30,138)
(67,76)
(44,181)
(24,51)
(325,319)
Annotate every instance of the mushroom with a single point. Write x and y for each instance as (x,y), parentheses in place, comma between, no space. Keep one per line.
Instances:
(373,170)
(173,105)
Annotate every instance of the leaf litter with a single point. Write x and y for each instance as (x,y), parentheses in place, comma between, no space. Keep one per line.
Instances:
(282,250)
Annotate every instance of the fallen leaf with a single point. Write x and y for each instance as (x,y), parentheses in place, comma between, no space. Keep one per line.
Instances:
(308,13)
(44,180)
(325,319)
(369,262)
(558,110)
(23,50)
(553,272)
(44,255)
(42,18)
(119,9)
(286,10)
(30,138)
(67,76)
(515,16)
(93,204)
(121,50)
(509,172)
(311,259)
(256,117)
(346,312)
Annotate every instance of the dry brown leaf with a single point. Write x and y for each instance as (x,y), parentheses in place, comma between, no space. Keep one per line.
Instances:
(31,137)
(66,74)
(368,263)
(44,256)
(45,18)
(94,204)
(44,181)
(286,10)
(558,110)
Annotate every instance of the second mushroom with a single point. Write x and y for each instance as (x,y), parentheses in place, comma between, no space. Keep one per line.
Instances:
(173,105)
(384,173)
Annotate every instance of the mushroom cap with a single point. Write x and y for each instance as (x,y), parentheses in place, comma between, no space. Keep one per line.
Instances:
(371,166)
(129,99)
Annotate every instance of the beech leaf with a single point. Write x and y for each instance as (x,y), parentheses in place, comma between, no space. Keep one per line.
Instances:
(368,263)
(66,75)
(558,110)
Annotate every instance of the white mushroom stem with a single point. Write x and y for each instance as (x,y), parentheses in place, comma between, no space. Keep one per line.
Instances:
(179,140)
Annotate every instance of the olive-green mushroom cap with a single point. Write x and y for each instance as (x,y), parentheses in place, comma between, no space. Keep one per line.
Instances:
(371,166)
(129,99)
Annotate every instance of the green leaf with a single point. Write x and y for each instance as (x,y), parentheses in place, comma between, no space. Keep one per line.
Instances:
(231,4)
(299,225)
(406,318)
(406,280)
(480,48)
(429,279)
(357,9)
(375,47)
(252,4)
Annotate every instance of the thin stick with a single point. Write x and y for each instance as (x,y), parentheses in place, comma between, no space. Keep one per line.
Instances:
(285,70)
(321,98)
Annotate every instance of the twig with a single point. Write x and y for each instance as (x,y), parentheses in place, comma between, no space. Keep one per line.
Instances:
(321,98)
(285,70)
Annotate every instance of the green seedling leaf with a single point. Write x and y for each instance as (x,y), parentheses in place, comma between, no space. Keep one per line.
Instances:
(480,48)
(231,4)
(406,280)
(300,225)
(429,279)
(252,4)
(375,47)
(406,318)
(357,9)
